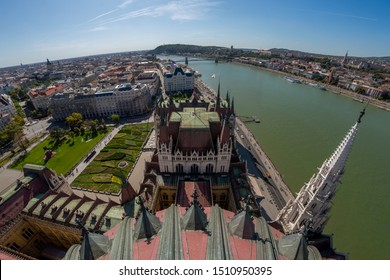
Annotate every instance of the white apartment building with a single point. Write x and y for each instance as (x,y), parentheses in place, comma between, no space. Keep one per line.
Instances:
(179,80)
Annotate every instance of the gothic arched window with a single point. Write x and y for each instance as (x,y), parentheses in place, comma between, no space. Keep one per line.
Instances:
(194,168)
(179,168)
(209,168)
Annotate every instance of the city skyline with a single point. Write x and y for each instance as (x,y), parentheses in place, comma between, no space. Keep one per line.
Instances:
(36,30)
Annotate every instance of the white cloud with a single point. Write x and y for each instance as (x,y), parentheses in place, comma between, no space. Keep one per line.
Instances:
(175,10)
(99,28)
(125,3)
(186,10)
(102,15)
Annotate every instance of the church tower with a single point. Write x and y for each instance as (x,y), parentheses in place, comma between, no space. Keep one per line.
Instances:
(312,205)
(345,59)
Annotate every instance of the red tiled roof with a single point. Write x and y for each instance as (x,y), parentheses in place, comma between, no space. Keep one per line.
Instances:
(186,191)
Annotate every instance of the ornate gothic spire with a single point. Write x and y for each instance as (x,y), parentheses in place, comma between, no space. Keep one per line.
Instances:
(232,107)
(228,100)
(314,200)
(218,101)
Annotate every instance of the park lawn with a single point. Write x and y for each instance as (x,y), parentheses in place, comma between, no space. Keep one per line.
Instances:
(68,154)
(103,173)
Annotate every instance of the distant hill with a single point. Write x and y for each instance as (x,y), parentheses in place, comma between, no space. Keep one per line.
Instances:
(187,49)
(216,51)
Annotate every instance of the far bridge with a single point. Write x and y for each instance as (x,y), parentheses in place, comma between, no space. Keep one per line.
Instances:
(193,59)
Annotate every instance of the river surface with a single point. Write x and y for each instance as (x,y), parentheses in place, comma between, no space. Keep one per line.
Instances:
(300,127)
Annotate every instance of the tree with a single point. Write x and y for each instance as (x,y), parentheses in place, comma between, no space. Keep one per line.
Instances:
(103,127)
(21,141)
(13,128)
(360,90)
(57,133)
(18,94)
(12,132)
(74,120)
(92,126)
(19,120)
(115,118)
(71,134)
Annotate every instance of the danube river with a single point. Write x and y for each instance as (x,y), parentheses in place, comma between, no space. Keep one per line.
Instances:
(300,127)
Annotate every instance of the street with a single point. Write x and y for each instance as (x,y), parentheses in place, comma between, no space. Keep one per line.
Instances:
(37,127)
(261,171)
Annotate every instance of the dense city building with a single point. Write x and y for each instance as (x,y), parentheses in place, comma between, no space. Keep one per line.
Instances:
(123,100)
(41,97)
(7,110)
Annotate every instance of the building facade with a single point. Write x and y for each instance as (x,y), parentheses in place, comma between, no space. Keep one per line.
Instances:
(7,110)
(179,80)
(41,98)
(123,100)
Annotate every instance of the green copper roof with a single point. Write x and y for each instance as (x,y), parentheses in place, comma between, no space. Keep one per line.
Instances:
(73,252)
(265,243)
(14,188)
(34,167)
(171,245)
(90,223)
(194,118)
(30,204)
(314,254)
(114,216)
(194,109)
(94,246)
(147,224)
(46,202)
(242,226)
(122,245)
(218,247)
(293,247)
(195,218)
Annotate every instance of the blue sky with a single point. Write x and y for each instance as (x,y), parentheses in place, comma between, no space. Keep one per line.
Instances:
(33,30)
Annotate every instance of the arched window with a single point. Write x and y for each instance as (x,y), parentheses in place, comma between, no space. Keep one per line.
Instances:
(209,168)
(223,197)
(164,196)
(179,168)
(295,218)
(194,168)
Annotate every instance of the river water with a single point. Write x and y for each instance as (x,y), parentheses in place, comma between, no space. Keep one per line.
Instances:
(300,127)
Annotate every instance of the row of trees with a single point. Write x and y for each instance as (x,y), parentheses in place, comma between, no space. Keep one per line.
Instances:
(77,125)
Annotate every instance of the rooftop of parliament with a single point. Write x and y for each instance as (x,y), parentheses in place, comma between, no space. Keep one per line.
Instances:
(195,201)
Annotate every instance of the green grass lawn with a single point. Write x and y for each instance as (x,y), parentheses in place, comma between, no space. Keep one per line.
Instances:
(103,173)
(68,153)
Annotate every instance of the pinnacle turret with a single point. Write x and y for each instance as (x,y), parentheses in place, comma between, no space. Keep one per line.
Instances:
(314,200)
(147,224)
(218,101)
